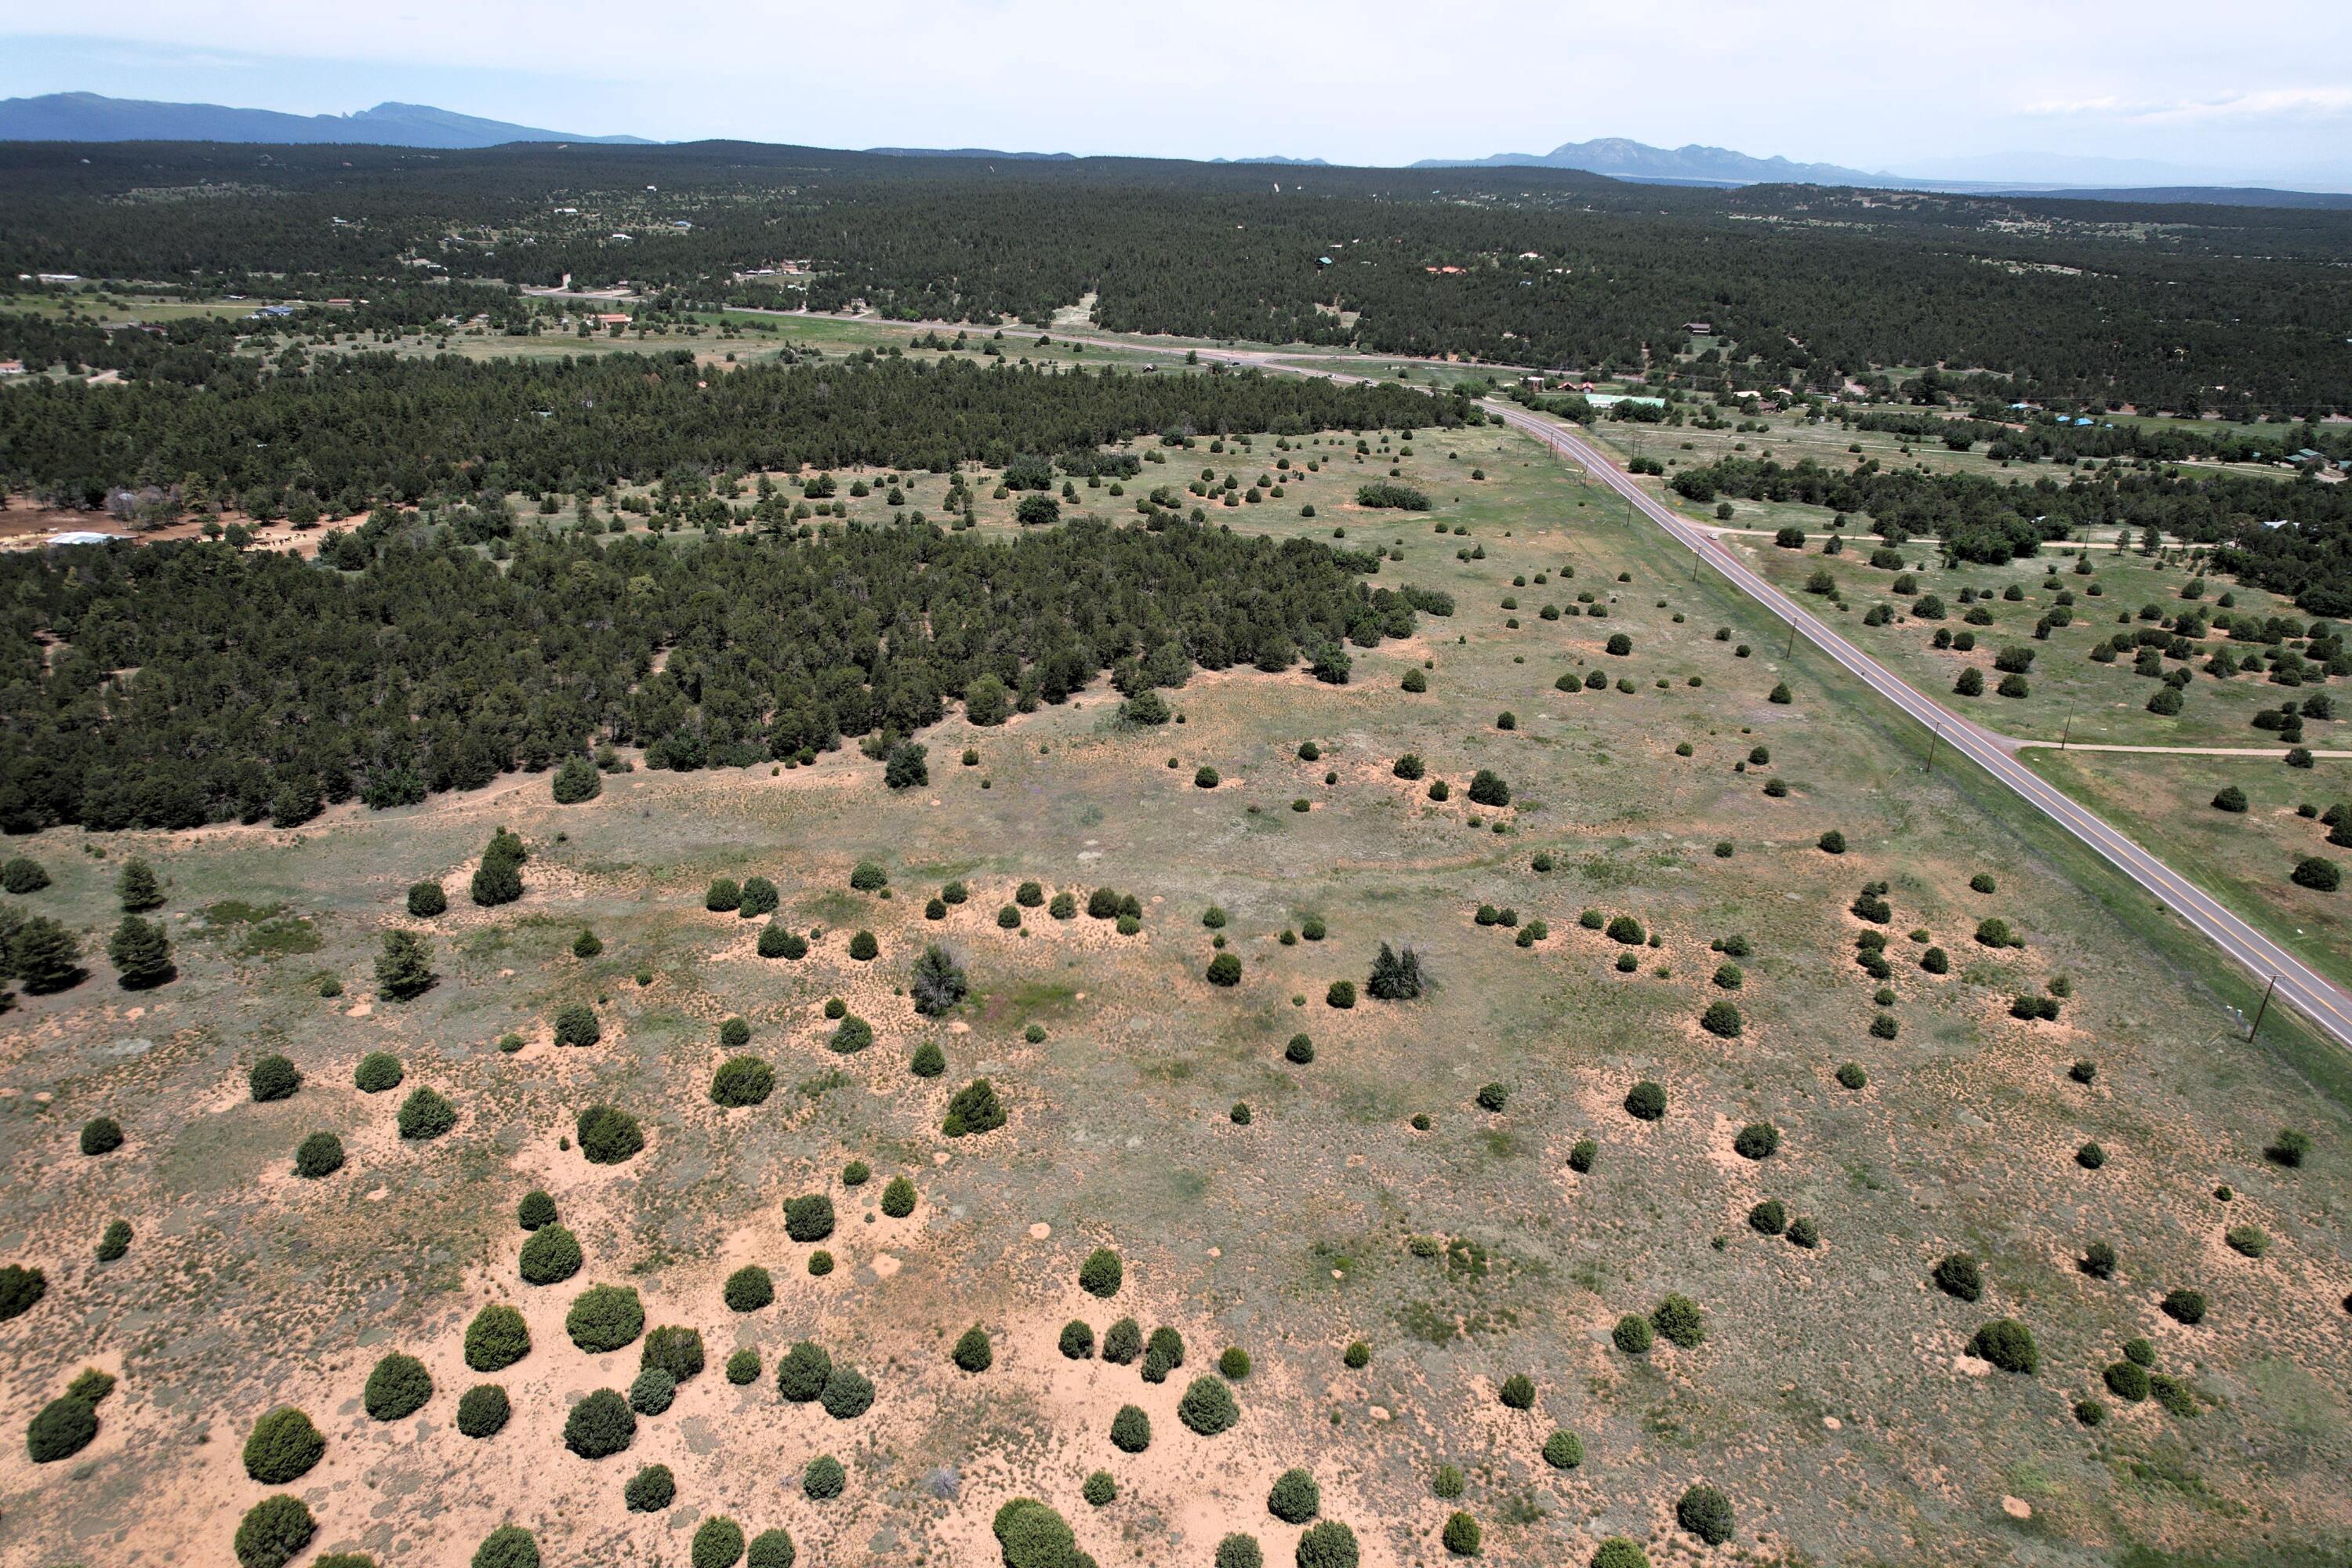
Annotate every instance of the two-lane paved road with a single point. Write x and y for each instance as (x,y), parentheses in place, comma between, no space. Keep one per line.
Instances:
(2316,998)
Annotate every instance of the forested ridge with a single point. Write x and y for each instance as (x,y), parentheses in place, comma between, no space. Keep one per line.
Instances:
(180,684)
(360,428)
(2238,309)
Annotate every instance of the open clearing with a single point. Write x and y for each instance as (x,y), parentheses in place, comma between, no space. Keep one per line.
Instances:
(1834,1399)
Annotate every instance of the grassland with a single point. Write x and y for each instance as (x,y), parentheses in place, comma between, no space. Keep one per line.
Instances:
(1833,1398)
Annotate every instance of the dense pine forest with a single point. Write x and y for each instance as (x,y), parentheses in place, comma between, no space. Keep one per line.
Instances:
(2242,310)
(363,429)
(182,684)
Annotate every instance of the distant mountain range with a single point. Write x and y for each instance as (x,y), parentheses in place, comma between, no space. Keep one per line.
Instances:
(1680,166)
(88,117)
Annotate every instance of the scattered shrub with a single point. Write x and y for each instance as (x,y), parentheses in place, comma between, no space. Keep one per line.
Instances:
(650,1490)
(1646,1102)
(2008,1344)
(496,1338)
(604,1317)
(808,1217)
(1756,1141)
(1705,1513)
(377,1071)
(824,1478)
(898,1198)
(1130,1430)
(551,1256)
(274,1531)
(483,1411)
(273,1078)
(742,1081)
(608,1136)
(2185,1307)
(974,1108)
(319,1154)
(600,1425)
(1633,1334)
(426,1115)
(398,1387)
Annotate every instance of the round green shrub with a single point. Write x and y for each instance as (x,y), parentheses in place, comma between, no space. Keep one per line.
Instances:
(2008,1344)
(576,1025)
(718,1543)
(608,1135)
(770,1549)
(1705,1513)
(274,1531)
(898,1198)
(600,1425)
(677,1351)
(319,1154)
(551,1256)
(1077,1340)
(426,899)
(848,1394)
(1633,1334)
(1224,970)
(1582,1155)
(1102,1273)
(743,1367)
(377,1071)
(652,1390)
(802,1371)
(1300,1050)
(604,1317)
(483,1411)
(1850,1076)
(1619,1552)
(1461,1535)
(650,1490)
(1771,1217)
(1238,1550)
(398,1387)
(1207,1406)
(536,1211)
(1234,1363)
(824,1478)
(1448,1481)
(1563,1450)
(273,1078)
(808,1217)
(1804,1232)
(1294,1499)
(2090,1156)
(1519,1392)
(1722,1020)
(1646,1102)
(1356,1356)
(929,1060)
(1756,1141)
(862,947)
(426,1115)
(2127,1381)
(60,1429)
(972,1351)
(1130,1430)
(2140,1352)
(1677,1320)
(508,1546)
(1328,1544)
(2186,1307)
(851,1035)
(282,1447)
(1957,1276)
(742,1081)
(115,1241)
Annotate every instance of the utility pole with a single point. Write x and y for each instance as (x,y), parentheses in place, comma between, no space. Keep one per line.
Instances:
(1933,742)
(2264,1008)
(1790,651)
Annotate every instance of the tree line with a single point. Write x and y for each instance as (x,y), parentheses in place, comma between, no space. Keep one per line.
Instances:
(356,429)
(2173,307)
(180,684)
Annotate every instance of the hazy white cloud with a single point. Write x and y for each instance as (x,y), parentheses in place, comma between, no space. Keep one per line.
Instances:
(1871,83)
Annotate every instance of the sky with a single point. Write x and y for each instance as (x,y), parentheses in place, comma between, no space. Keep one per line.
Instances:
(2037,88)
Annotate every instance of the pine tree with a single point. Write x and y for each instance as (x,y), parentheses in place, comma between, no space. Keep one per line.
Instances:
(1395,977)
(141,954)
(138,888)
(45,955)
(405,970)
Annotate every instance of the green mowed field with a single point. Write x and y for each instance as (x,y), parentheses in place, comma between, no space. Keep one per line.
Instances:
(1832,1396)
(2246,858)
